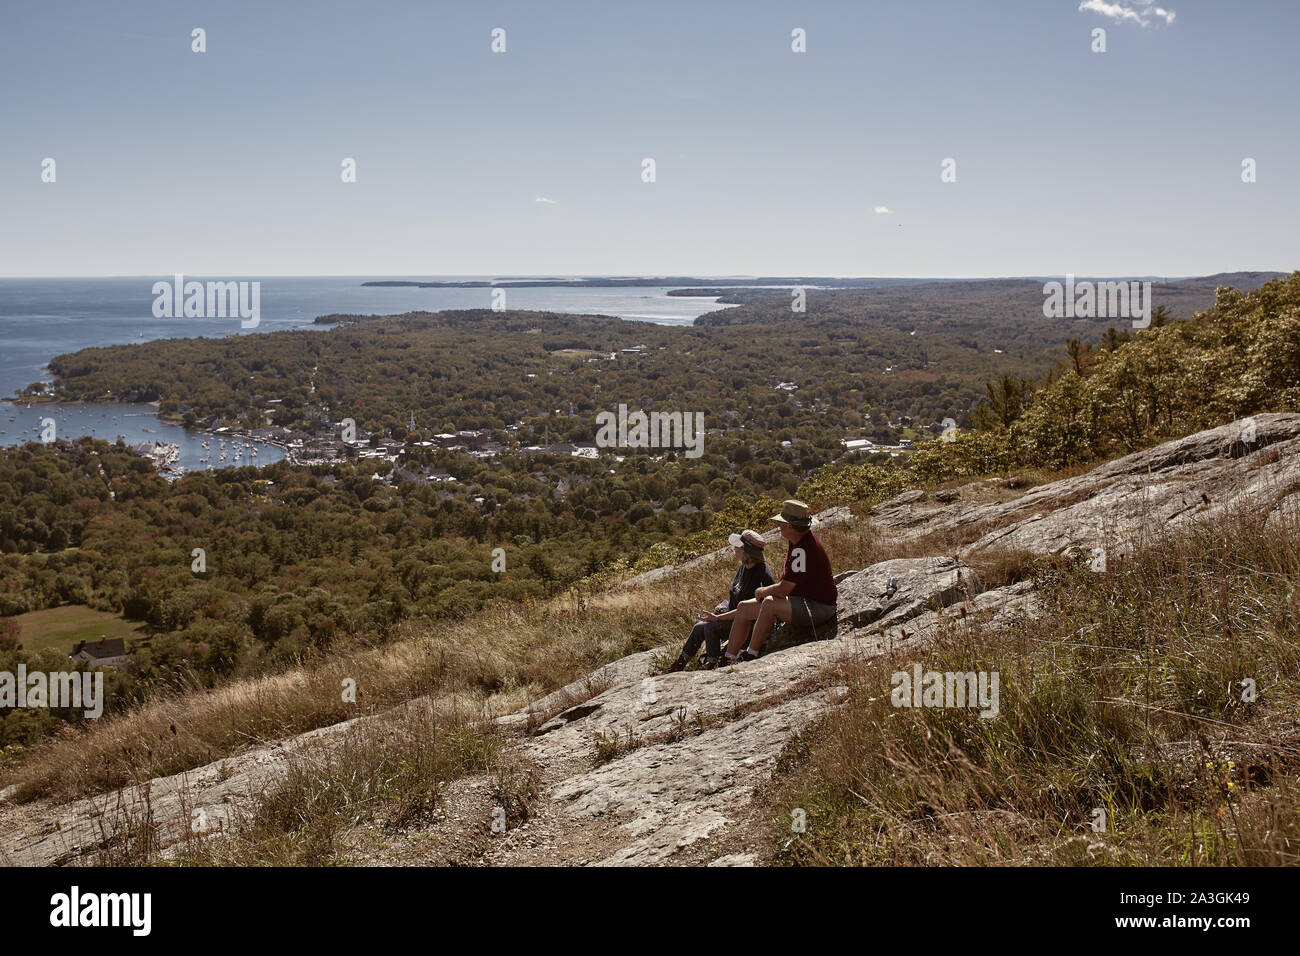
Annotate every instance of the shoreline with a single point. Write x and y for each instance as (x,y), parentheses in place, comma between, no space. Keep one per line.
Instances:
(231,432)
(287,453)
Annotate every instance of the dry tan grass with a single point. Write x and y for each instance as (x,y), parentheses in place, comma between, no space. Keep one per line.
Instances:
(496,662)
(388,774)
(1126,698)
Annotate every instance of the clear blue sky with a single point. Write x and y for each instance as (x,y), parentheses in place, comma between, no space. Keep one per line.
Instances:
(768,161)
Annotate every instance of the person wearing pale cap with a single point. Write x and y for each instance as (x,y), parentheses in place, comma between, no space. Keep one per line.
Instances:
(751,542)
(804,597)
(713,626)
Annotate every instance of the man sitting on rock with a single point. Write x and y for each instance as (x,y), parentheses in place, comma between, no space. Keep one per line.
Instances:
(714,626)
(804,597)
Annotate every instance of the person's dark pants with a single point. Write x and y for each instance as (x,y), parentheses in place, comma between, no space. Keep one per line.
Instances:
(709,633)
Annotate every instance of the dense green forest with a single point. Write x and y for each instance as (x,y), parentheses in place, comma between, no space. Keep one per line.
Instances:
(855,372)
(293,555)
(1012,307)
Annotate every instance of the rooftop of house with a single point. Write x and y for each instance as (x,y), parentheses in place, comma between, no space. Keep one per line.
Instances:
(109,647)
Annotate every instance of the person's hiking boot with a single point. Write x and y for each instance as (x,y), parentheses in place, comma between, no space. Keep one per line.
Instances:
(746,655)
(712,662)
(676,665)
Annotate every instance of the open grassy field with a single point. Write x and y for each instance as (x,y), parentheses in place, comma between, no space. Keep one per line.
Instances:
(61,627)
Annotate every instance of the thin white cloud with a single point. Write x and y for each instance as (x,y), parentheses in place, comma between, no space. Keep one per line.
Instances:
(1141,12)
(884,211)
(549,202)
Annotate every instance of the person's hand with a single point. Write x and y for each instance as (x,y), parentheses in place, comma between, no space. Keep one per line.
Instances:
(708,616)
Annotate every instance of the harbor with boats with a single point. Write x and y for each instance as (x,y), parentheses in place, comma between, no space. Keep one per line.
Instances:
(173,448)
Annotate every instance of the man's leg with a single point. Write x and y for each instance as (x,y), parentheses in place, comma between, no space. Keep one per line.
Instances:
(769,612)
(746,614)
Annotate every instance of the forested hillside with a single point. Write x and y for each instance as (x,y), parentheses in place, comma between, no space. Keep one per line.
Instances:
(855,369)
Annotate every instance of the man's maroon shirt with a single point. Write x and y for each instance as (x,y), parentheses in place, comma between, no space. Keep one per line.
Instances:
(815,581)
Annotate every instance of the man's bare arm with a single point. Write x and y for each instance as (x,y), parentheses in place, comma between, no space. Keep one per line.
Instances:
(780,589)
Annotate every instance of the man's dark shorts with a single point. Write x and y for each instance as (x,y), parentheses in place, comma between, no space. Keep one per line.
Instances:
(807,613)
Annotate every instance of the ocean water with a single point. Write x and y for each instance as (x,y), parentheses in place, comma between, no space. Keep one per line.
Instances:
(134,424)
(42,318)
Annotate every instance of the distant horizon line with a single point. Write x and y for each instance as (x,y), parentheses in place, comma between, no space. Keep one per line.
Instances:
(626,276)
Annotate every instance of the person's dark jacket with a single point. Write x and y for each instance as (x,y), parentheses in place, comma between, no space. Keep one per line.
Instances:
(746,582)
